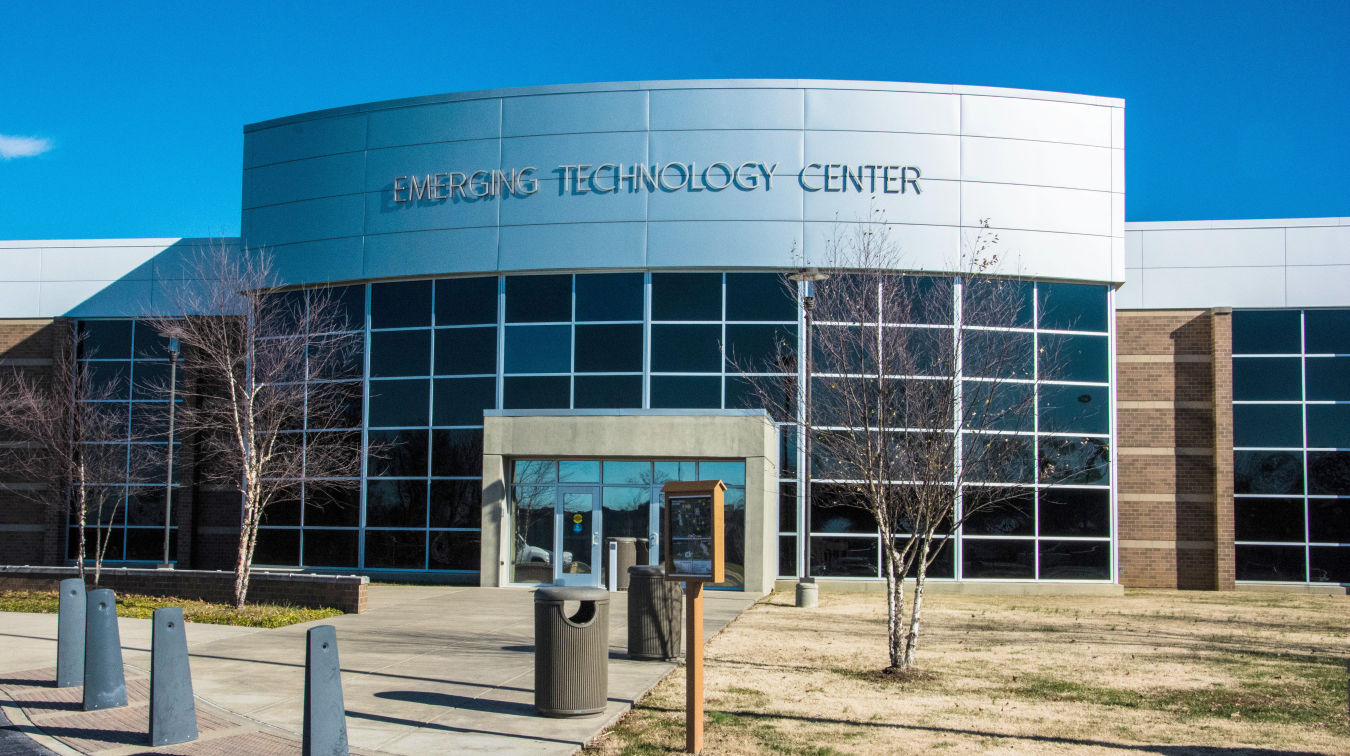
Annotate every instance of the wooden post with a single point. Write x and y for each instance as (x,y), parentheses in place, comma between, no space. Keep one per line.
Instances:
(693,668)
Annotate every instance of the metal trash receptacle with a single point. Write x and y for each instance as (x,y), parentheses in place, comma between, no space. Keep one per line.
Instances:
(627,557)
(571,653)
(655,614)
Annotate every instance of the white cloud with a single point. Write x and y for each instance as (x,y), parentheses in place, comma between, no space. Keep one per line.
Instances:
(14,147)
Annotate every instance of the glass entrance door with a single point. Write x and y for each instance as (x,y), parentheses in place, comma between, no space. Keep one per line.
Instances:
(578,529)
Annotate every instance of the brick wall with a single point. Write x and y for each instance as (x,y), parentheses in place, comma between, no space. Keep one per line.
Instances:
(1175,451)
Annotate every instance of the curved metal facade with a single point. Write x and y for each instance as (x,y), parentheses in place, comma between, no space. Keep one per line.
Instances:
(342,195)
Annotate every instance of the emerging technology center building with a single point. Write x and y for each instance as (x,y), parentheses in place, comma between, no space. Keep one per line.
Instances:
(548,280)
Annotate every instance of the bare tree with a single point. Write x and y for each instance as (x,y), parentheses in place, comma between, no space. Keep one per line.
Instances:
(919,422)
(262,408)
(69,445)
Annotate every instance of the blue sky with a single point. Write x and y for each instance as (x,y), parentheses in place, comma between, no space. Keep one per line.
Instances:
(1233,109)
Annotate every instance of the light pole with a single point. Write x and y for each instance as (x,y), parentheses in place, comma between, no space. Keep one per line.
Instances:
(168,482)
(807,596)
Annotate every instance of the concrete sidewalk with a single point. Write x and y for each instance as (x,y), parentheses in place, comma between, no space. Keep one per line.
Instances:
(428,669)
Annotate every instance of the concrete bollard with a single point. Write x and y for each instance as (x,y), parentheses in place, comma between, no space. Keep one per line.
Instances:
(70,634)
(325,728)
(808,593)
(173,712)
(105,683)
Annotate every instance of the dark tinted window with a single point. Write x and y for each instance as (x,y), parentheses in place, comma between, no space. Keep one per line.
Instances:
(760,296)
(274,547)
(1268,472)
(836,508)
(466,301)
(610,348)
(1329,520)
(1075,560)
(997,302)
(331,548)
(686,296)
(995,354)
(787,506)
(1074,358)
(538,299)
(1012,517)
(461,401)
(1266,519)
(552,392)
(1075,461)
(918,299)
(998,559)
(686,348)
(1328,378)
(1075,512)
(1075,409)
(1266,332)
(466,351)
(454,551)
(396,549)
(1072,307)
(999,459)
(394,353)
(397,453)
(1267,378)
(1329,473)
(1271,563)
(538,349)
(1268,425)
(1326,332)
(609,296)
(686,392)
(843,557)
(351,306)
(761,348)
(457,452)
(1330,564)
(105,339)
(396,503)
(332,506)
(149,345)
(399,403)
(1329,425)
(456,504)
(608,391)
(401,304)
(112,380)
(787,556)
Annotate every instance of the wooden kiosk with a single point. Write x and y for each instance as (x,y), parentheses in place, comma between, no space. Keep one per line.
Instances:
(694,549)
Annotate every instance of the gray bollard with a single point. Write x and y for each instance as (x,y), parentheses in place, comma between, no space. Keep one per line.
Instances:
(105,683)
(70,634)
(325,730)
(808,593)
(173,713)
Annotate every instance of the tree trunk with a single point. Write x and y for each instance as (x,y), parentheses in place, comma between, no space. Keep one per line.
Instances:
(912,638)
(243,566)
(895,606)
(83,512)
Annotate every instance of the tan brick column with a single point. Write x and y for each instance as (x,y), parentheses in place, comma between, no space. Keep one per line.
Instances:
(1222,356)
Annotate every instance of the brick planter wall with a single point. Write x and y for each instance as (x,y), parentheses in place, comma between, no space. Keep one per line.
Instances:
(345,592)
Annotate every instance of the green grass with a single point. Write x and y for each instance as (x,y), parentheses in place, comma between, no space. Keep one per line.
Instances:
(143,607)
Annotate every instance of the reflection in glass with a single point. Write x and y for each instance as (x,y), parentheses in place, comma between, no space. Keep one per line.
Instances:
(539,299)
(1329,520)
(538,349)
(1072,307)
(1267,379)
(396,504)
(628,472)
(1273,564)
(666,471)
(399,453)
(332,505)
(532,530)
(1003,558)
(456,503)
(577,524)
(466,351)
(787,556)
(844,557)
(455,551)
(276,547)
(1267,519)
(578,471)
(1268,472)
(1330,564)
(761,348)
(607,391)
(1329,426)
(396,549)
(1075,409)
(1004,291)
(1075,560)
(1077,461)
(1065,357)
(1328,473)
(730,473)
(838,508)
(457,452)
(331,548)
(1267,332)
(733,531)
(996,354)
(1268,425)
(396,403)
(1009,514)
(1075,512)
(466,301)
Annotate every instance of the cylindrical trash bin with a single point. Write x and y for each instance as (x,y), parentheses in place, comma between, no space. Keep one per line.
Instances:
(627,558)
(644,551)
(571,653)
(655,614)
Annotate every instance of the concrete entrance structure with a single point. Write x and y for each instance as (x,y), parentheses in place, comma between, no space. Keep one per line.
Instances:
(747,435)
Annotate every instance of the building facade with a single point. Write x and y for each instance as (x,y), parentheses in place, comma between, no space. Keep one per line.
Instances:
(550,284)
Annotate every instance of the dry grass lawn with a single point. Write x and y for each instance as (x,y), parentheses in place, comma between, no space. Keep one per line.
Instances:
(1152,672)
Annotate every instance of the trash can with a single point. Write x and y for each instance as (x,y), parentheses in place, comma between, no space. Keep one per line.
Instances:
(655,614)
(627,558)
(571,653)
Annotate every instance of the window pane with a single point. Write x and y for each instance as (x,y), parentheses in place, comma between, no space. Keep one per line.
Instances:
(466,351)
(147,544)
(1000,405)
(466,301)
(837,508)
(997,302)
(536,393)
(1074,358)
(760,348)
(943,565)
(1330,564)
(1328,473)
(350,304)
(760,296)
(111,380)
(787,507)
(539,349)
(686,348)
(1268,519)
(333,506)
(609,348)
(1326,331)
(105,339)
(919,299)
(778,397)
(628,472)
(1328,425)
(686,392)
(398,403)
(535,471)
(1075,560)
(1014,515)
(1072,307)
(1271,564)
(997,354)
(279,512)
(844,557)
(1075,409)
(399,453)
(395,353)
(998,559)
(396,549)
(666,471)
(686,296)
(1268,425)
(1266,332)
(151,379)
(457,452)
(1076,461)
(609,296)
(1267,379)
(1075,512)
(627,514)
(538,299)
(280,548)
(396,503)
(787,556)
(1268,472)
(461,401)
(999,459)
(456,504)
(731,473)
(532,533)
(1329,520)
(455,551)
(402,304)
(150,345)
(579,471)
(1328,378)
(336,357)
(608,391)
(331,548)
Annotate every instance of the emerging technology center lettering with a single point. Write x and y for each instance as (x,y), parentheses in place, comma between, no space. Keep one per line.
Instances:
(609,178)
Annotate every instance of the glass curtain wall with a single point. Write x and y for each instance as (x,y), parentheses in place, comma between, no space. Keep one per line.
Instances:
(1291,445)
(1060,528)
